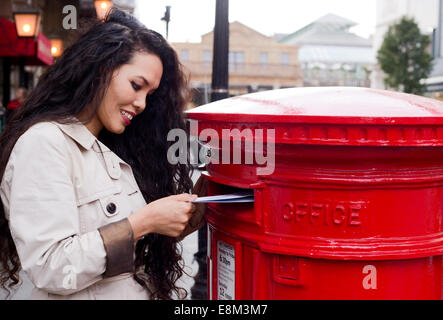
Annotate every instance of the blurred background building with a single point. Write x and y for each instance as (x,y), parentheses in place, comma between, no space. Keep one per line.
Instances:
(23,60)
(331,55)
(435,80)
(428,15)
(256,63)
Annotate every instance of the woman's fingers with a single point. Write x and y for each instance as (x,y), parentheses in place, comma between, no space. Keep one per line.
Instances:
(185,197)
(174,213)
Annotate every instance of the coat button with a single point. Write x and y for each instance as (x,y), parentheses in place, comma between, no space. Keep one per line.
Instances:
(111,208)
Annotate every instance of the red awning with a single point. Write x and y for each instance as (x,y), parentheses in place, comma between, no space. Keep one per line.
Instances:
(35,51)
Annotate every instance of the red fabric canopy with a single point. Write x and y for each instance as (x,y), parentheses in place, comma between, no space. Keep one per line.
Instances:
(36,51)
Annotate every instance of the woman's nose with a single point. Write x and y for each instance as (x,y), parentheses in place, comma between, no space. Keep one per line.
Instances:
(140,104)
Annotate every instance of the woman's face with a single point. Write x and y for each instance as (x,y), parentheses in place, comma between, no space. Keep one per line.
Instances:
(125,97)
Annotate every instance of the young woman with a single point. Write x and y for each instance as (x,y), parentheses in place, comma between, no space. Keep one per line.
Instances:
(90,207)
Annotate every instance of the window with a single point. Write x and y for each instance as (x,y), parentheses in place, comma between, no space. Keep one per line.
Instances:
(207,57)
(285,58)
(263,58)
(237,58)
(184,55)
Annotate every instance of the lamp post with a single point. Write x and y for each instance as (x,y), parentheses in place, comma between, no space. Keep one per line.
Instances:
(167,18)
(102,7)
(27,24)
(219,90)
(220,69)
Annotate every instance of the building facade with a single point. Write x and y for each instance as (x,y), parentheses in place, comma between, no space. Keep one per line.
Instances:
(19,71)
(256,63)
(330,54)
(435,81)
(16,70)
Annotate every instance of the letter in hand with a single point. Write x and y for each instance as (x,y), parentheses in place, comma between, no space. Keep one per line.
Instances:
(168,216)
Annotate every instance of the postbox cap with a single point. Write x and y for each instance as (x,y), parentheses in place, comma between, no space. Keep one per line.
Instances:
(332,115)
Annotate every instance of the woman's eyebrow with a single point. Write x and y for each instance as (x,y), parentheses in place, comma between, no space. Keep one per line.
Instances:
(146,81)
(147,84)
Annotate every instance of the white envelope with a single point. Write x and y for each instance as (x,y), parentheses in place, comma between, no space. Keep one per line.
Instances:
(246,196)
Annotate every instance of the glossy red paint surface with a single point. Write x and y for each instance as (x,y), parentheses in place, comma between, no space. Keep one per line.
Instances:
(353,209)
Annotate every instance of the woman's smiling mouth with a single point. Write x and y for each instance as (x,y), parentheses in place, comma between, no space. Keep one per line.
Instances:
(127,117)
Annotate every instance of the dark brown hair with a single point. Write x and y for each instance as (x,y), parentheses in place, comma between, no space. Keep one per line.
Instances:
(77,82)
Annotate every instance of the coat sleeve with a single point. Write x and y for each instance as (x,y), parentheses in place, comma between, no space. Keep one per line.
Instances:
(44,219)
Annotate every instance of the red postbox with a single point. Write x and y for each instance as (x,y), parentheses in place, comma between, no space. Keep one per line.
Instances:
(351,209)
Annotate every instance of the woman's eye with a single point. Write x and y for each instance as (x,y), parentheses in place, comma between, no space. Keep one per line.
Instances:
(135,86)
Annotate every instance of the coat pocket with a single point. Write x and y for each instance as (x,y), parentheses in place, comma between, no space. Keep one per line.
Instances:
(110,205)
(100,208)
(94,195)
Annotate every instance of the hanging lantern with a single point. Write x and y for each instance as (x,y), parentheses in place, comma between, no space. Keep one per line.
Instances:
(56,46)
(102,7)
(27,23)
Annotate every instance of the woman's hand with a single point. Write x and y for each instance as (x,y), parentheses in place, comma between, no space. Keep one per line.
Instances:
(168,216)
(198,217)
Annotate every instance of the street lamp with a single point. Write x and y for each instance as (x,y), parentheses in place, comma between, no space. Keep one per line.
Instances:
(102,7)
(56,46)
(167,18)
(27,23)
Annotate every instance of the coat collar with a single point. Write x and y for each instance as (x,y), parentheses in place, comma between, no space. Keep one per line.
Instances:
(80,134)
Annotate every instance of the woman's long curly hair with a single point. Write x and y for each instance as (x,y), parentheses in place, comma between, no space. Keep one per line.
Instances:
(78,82)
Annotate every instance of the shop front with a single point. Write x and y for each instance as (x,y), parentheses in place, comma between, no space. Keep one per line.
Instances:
(16,53)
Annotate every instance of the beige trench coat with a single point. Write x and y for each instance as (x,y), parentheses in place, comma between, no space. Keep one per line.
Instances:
(67,198)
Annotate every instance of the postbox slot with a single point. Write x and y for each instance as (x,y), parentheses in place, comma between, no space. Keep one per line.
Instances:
(241,210)
(222,189)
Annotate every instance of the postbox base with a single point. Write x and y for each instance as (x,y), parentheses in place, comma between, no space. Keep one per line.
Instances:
(239,270)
